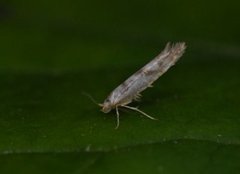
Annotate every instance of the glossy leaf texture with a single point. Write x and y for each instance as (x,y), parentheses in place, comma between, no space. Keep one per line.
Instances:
(48,60)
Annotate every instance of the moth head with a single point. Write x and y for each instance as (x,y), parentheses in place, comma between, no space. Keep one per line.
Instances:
(106,106)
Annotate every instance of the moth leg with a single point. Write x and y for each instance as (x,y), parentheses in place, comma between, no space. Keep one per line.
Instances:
(138,110)
(137,97)
(117,113)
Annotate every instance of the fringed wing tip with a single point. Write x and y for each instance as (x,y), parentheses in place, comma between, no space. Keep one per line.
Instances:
(177,49)
(179,46)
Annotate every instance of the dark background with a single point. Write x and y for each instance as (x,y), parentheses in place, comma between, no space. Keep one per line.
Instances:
(72,35)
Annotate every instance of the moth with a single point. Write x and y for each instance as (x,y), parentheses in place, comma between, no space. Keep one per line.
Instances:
(130,89)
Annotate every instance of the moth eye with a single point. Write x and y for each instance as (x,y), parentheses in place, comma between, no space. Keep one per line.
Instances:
(107,100)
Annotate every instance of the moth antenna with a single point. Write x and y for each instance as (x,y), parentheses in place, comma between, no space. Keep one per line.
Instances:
(91,98)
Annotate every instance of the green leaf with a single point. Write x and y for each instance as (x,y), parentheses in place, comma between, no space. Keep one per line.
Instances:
(49,59)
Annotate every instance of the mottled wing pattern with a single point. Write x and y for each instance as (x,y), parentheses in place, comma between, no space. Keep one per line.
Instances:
(139,81)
